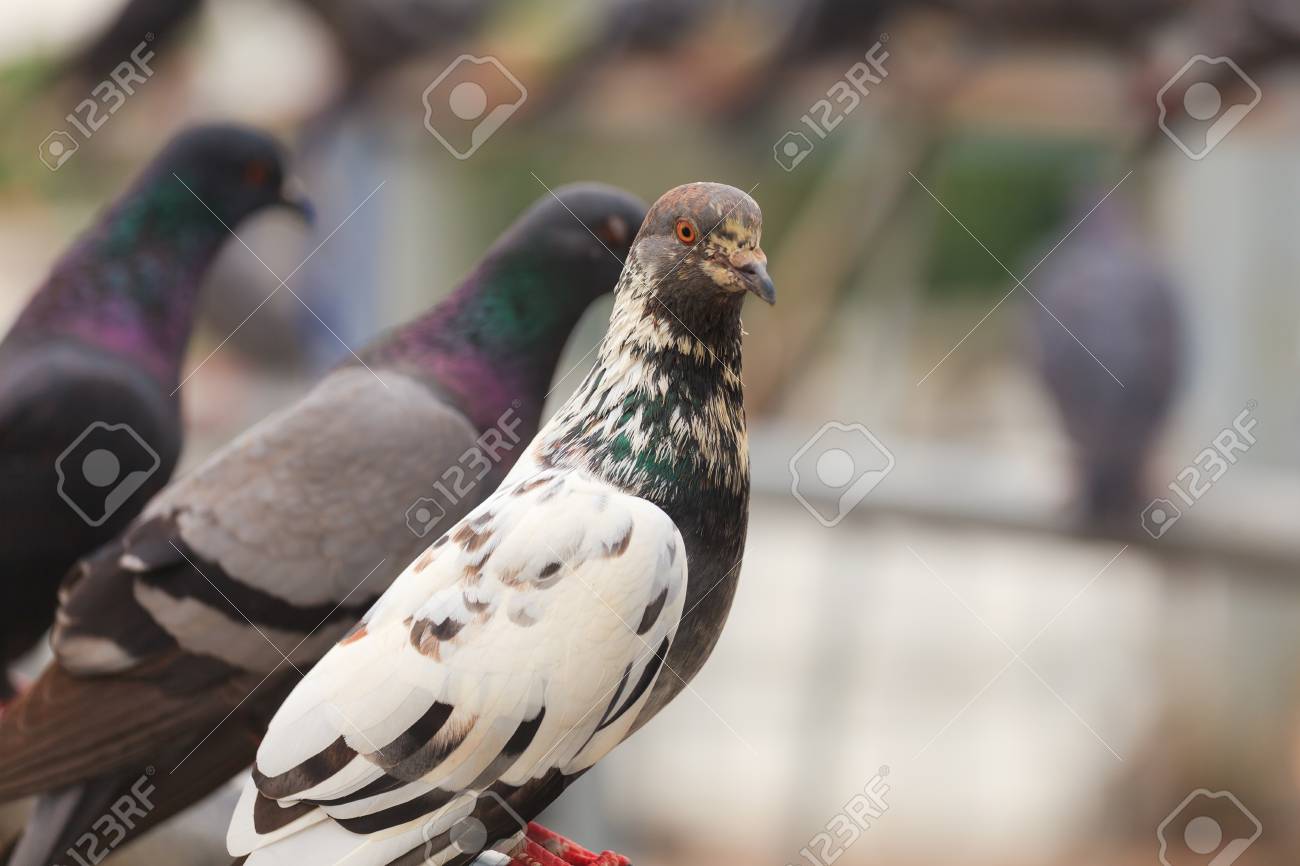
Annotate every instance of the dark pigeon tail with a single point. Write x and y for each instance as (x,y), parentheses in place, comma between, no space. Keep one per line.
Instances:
(1113,495)
(117,808)
(59,820)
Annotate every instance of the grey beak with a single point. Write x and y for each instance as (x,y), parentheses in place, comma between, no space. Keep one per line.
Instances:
(760,283)
(291,196)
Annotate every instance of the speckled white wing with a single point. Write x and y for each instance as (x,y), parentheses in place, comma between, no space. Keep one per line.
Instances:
(520,645)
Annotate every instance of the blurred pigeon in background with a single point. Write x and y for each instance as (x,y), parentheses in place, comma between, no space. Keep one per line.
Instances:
(1123,23)
(532,637)
(138,21)
(1256,34)
(176,642)
(1111,297)
(375,36)
(89,418)
(372,36)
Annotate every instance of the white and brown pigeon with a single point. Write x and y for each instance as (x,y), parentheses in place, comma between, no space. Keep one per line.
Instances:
(562,613)
(176,642)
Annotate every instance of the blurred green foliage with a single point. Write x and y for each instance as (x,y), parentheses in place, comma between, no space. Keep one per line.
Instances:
(22,84)
(1014,194)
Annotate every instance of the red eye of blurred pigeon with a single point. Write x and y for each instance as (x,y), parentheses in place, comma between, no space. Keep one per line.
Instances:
(168,647)
(256,174)
(89,422)
(615,232)
(559,616)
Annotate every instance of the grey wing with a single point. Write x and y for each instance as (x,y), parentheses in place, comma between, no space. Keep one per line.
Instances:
(284,536)
(273,547)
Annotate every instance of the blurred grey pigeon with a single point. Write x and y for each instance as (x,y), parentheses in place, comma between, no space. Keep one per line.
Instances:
(560,615)
(1104,286)
(89,417)
(175,642)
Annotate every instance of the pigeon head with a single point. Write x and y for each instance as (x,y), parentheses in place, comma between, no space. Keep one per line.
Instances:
(534,283)
(662,412)
(579,235)
(131,280)
(226,170)
(700,243)
(496,340)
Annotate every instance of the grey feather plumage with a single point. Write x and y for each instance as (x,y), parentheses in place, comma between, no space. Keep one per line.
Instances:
(353,456)
(1103,293)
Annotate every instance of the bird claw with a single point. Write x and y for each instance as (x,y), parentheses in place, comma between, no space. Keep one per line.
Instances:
(543,847)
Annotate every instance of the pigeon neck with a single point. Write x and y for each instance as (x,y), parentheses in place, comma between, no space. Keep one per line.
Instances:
(130,283)
(662,412)
(493,345)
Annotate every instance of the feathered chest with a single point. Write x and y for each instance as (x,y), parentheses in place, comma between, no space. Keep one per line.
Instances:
(663,425)
(669,426)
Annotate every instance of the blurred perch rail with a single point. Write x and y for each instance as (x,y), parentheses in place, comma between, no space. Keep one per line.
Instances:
(971,487)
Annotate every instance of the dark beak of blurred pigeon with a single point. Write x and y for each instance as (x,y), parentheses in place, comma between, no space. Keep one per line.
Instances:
(752,267)
(292,197)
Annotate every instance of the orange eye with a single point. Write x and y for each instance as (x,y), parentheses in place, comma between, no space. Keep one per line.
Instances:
(685,231)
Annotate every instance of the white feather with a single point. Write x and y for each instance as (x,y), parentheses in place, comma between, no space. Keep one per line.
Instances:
(547,621)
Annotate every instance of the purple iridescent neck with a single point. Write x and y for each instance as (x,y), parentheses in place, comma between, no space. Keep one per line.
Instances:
(493,345)
(129,284)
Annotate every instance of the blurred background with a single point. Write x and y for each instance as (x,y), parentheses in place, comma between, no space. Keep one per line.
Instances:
(1022,566)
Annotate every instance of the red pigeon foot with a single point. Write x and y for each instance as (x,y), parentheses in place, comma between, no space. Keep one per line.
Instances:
(544,847)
